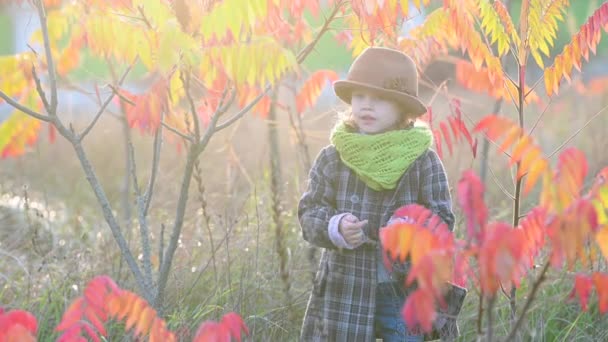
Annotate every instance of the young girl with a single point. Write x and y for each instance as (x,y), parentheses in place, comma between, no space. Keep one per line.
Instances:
(379,160)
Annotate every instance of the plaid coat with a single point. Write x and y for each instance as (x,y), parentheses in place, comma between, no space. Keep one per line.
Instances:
(341,306)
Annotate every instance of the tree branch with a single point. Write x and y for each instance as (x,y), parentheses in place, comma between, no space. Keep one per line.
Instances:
(174,130)
(577,132)
(540,116)
(41,93)
(186,82)
(158,141)
(144,231)
(110,219)
(531,296)
(107,101)
(24,109)
(193,153)
(49,57)
(177,226)
(242,112)
(500,185)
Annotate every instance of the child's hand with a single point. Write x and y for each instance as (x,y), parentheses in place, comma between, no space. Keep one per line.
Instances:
(351,229)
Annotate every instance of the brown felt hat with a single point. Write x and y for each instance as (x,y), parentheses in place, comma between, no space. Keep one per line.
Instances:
(387,71)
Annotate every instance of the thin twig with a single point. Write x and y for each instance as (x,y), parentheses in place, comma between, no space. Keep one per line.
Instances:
(161,245)
(490,312)
(577,132)
(531,296)
(480,316)
(222,107)
(158,141)
(107,101)
(500,185)
(540,116)
(143,224)
(242,112)
(186,82)
(45,101)
(25,110)
(49,57)
(174,130)
(534,86)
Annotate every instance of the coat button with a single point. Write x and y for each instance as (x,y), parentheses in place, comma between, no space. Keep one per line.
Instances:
(354,199)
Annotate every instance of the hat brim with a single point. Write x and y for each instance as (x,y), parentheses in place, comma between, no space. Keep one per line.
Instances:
(411,104)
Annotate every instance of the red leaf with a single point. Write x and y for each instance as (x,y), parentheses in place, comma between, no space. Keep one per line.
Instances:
(470,198)
(235,324)
(212,331)
(437,136)
(582,289)
(17,325)
(419,310)
(446,135)
(533,226)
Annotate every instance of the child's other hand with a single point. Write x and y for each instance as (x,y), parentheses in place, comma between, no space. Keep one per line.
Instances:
(351,229)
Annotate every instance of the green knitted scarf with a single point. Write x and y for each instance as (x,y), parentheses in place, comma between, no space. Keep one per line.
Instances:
(381,159)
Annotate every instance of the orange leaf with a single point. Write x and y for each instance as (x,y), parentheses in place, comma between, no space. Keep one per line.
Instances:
(311,89)
(600,280)
(135,311)
(145,321)
(501,257)
(525,150)
(480,80)
(582,42)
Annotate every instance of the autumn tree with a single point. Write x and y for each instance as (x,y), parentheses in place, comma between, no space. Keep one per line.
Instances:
(568,224)
(202,83)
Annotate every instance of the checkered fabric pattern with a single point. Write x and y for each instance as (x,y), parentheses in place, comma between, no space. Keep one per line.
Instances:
(341,306)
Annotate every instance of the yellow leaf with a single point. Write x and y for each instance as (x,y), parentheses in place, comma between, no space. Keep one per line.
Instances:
(543,19)
(601,237)
(145,321)
(492,26)
(538,58)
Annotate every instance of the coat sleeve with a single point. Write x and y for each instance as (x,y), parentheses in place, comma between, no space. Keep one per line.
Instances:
(318,203)
(435,190)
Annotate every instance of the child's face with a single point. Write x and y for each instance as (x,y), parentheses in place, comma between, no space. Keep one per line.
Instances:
(374,113)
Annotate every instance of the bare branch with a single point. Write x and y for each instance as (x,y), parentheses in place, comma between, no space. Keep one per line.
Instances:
(174,130)
(243,111)
(111,219)
(107,101)
(41,93)
(144,231)
(528,303)
(193,153)
(540,116)
(158,141)
(186,82)
(577,132)
(500,185)
(24,109)
(177,225)
(49,57)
